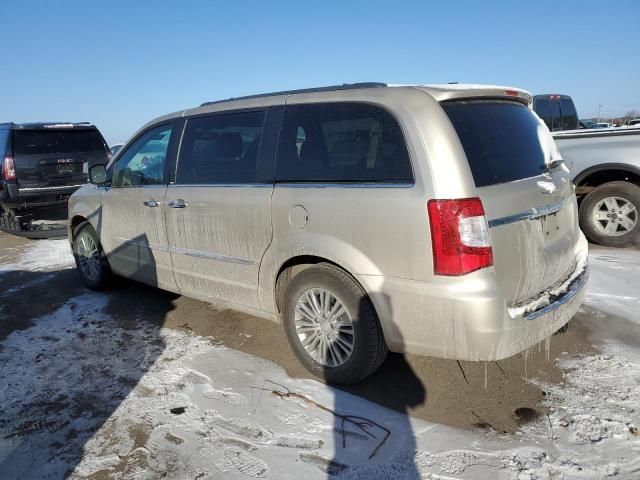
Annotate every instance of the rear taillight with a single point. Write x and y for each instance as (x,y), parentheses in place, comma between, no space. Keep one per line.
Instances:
(459,236)
(8,169)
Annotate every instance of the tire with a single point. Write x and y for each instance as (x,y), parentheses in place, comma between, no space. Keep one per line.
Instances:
(8,219)
(597,203)
(368,346)
(94,269)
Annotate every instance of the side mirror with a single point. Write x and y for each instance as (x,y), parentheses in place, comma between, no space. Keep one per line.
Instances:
(98,174)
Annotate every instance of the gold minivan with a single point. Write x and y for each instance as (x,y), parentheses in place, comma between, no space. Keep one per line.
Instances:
(437,220)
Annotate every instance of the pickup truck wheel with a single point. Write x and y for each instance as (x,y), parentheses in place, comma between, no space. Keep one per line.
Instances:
(610,214)
(91,261)
(332,326)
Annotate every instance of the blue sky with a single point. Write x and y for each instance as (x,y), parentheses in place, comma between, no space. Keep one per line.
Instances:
(119,64)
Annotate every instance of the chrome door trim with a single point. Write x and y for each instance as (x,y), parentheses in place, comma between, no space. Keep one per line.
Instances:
(186,251)
(212,256)
(532,213)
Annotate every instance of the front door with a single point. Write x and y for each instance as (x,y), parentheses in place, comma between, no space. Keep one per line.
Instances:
(219,209)
(133,232)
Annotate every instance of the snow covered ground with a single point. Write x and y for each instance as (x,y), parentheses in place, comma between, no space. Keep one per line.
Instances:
(84,395)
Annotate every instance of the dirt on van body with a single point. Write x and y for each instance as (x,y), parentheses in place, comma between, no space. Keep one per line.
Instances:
(490,395)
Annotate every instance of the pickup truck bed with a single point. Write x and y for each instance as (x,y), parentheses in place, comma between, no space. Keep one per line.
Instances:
(605,167)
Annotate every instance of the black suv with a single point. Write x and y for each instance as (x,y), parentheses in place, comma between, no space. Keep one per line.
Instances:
(44,163)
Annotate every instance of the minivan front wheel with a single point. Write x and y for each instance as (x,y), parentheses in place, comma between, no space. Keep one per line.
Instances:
(610,214)
(90,260)
(331,325)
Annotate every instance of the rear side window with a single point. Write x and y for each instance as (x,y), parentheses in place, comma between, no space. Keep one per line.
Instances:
(43,142)
(543,109)
(341,142)
(500,140)
(222,148)
(569,114)
(556,116)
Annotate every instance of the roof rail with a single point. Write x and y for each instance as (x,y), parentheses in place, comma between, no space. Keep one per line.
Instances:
(39,125)
(344,86)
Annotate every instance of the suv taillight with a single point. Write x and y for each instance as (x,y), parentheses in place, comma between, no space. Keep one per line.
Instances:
(459,236)
(8,169)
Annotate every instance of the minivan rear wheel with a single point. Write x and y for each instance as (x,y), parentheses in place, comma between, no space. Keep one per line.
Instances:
(610,214)
(91,261)
(332,326)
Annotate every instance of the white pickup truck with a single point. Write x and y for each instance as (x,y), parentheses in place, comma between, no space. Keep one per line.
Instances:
(605,167)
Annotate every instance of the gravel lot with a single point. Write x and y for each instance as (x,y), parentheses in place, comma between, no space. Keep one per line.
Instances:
(140,383)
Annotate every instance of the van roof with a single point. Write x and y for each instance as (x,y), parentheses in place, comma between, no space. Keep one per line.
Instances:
(441,92)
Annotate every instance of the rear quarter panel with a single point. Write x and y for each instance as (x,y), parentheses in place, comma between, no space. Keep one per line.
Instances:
(368,229)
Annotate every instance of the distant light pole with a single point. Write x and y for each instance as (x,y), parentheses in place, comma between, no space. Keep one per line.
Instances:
(599,108)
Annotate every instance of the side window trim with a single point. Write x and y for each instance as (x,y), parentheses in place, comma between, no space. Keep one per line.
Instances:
(175,143)
(174,124)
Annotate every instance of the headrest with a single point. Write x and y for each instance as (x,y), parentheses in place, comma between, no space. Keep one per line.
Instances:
(229,145)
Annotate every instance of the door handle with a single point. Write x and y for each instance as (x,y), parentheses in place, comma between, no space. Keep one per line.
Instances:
(179,203)
(151,203)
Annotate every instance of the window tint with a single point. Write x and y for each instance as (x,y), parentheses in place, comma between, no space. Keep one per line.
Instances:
(569,114)
(4,142)
(221,148)
(543,109)
(341,142)
(556,117)
(143,162)
(41,142)
(500,140)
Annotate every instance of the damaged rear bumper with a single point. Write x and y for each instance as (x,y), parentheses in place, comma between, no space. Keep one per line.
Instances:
(467,318)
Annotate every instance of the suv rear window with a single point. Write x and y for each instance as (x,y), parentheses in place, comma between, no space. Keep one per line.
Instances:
(542,107)
(4,135)
(569,114)
(500,140)
(341,142)
(42,142)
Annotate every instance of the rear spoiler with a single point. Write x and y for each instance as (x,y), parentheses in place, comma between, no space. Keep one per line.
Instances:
(451,92)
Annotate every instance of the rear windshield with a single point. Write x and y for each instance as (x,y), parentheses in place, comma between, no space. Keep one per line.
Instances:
(500,140)
(569,114)
(40,142)
(4,135)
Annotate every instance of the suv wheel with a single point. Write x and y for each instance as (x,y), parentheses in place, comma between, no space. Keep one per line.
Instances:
(331,325)
(8,219)
(90,259)
(610,214)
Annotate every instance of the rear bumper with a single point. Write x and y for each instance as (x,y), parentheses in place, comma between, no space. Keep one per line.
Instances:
(467,318)
(11,196)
